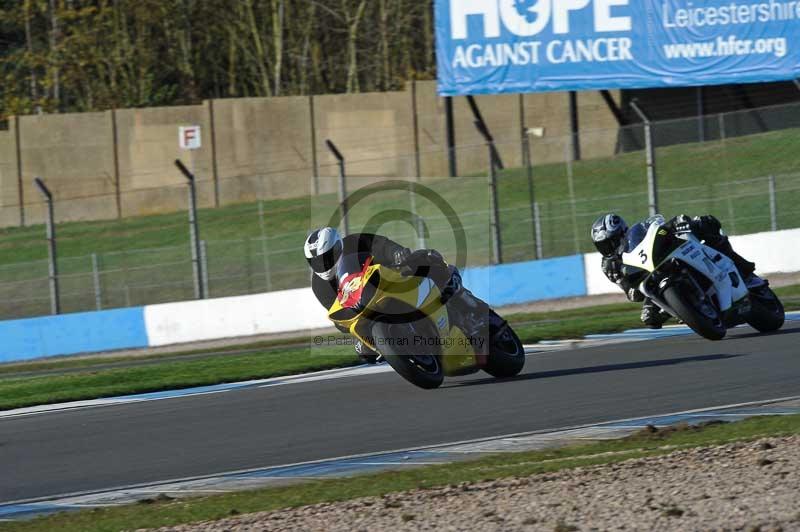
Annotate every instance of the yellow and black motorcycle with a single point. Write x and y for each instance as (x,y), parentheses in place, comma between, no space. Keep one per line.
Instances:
(404,319)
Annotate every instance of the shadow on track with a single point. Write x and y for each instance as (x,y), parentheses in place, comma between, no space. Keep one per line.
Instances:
(756,334)
(595,369)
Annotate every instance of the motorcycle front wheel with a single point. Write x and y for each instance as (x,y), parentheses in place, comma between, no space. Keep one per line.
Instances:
(707,324)
(766,311)
(506,353)
(420,369)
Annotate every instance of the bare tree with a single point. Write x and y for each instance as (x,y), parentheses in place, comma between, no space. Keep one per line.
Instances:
(352,20)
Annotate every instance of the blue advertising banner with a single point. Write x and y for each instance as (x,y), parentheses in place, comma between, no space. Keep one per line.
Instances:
(501,46)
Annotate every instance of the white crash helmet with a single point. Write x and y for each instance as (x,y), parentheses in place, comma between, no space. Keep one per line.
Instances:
(323,249)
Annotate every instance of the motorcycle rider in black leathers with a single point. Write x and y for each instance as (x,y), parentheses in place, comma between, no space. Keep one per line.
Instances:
(608,235)
(324,247)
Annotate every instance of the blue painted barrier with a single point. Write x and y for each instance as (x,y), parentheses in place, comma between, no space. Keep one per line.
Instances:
(70,334)
(108,330)
(523,282)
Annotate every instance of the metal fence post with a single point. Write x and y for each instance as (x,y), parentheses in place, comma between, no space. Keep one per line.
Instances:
(773,204)
(419,224)
(652,185)
(194,232)
(497,247)
(248,269)
(494,212)
(264,248)
(573,208)
(342,185)
(451,136)
(538,224)
(55,296)
(204,269)
(526,160)
(98,294)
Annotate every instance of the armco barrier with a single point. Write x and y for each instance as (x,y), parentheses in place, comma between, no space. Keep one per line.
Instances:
(72,333)
(297,310)
(773,252)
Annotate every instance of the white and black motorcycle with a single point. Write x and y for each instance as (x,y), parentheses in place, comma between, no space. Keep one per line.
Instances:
(695,283)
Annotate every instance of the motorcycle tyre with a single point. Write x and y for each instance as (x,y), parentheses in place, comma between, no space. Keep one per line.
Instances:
(702,325)
(401,361)
(766,314)
(500,363)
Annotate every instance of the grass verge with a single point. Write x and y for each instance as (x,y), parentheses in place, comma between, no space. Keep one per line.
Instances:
(165,512)
(92,378)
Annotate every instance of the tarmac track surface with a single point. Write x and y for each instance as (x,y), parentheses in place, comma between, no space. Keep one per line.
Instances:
(100,448)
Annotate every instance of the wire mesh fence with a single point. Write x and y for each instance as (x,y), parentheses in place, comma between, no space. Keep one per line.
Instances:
(742,167)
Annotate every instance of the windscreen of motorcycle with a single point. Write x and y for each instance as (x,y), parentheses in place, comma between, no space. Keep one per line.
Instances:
(635,236)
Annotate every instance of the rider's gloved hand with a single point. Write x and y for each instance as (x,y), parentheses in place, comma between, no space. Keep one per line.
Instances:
(612,267)
(684,224)
(707,227)
(634,295)
(400,257)
(427,263)
(420,262)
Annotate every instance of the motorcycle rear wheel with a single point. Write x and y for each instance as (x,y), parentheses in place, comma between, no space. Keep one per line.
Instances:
(705,326)
(422,370)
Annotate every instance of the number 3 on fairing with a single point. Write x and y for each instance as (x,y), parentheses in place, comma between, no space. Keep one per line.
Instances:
(643,256)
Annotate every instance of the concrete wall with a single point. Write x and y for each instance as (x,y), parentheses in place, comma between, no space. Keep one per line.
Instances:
(74,154)
(264,148)
(121,163)
(148,146)
(374,131)
(9,190)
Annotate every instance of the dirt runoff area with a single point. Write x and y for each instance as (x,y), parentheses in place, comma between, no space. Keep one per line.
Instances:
(752,486)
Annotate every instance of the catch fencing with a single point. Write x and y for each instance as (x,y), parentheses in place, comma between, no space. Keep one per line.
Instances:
(743,167)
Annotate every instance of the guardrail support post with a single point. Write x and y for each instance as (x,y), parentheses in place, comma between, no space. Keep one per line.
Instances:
(773,204)
(194,232)
(652,184)
(342,186)
(494,213)
(55,299)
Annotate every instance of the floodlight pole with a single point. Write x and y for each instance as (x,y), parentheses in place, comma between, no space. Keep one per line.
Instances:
(55,299)
(342,186)
(194,233)
(652,188)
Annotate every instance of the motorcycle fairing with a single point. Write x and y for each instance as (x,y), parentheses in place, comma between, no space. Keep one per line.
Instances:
(725,280)
(421,293)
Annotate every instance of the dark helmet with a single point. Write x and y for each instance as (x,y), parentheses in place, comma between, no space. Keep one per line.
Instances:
(608,234)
